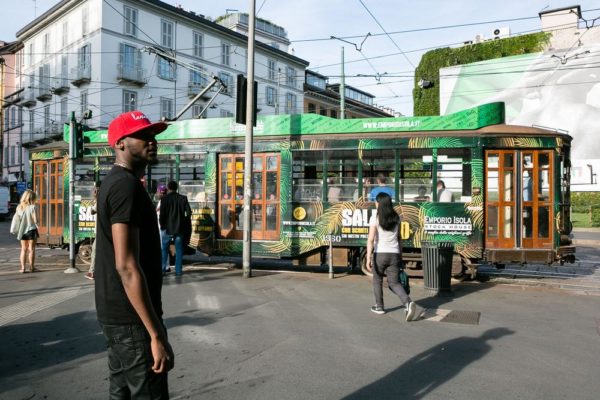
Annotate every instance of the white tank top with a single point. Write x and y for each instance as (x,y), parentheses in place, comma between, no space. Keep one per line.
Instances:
(385,241)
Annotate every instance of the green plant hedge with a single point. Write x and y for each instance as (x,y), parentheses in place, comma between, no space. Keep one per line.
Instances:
(595,215)
(427,101)
(581,201)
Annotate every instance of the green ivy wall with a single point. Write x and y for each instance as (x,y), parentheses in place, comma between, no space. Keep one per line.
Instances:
(427,101)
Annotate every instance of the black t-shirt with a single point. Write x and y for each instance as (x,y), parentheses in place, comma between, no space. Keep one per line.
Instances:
(122,199)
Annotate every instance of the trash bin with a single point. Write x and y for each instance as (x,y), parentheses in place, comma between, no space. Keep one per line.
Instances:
(437,266)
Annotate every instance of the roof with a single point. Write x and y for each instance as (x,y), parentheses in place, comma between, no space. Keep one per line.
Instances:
(179,12)
(578,8)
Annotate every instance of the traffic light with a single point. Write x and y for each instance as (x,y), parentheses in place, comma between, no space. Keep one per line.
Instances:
(240,100)
(78,141)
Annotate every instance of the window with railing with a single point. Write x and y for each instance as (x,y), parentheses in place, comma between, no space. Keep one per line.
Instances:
(166,70)
(227,79)
(198,76)
(130,62)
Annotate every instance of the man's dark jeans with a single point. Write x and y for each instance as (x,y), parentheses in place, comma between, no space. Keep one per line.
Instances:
(130,364)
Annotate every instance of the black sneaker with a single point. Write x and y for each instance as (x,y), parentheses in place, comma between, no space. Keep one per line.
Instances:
(378,310)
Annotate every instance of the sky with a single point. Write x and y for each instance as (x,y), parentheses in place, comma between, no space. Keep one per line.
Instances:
(381,63)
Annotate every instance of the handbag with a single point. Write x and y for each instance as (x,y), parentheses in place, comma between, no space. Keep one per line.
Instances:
(15,224)
(404,281)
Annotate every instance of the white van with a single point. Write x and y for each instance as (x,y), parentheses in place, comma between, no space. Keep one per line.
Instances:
(4,202)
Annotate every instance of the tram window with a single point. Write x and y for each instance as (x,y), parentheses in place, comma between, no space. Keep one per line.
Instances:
(307,175)
(454,168)
(492,186)
(415,175)
(492,221)
(379,170)
(508,222)
(527,222)
(342,176)
(543,227)
(84,171)
(193,190)
(271,185)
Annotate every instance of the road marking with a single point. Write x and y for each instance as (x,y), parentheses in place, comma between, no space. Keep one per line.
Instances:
(30,306)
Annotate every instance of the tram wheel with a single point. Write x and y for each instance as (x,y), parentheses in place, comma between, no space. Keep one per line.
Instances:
(363,264)
(85,253)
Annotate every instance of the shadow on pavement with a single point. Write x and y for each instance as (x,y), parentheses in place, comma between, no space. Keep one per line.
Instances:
(34,346)
(423,373)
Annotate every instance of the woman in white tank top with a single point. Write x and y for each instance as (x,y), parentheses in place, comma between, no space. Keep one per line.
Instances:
(384,257)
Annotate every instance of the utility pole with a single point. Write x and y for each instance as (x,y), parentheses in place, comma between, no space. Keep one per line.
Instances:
(342,91)
(247,245)
(2,63)
(277,94)
(72,160)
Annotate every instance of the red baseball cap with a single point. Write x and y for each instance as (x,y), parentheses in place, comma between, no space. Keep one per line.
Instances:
(130,123)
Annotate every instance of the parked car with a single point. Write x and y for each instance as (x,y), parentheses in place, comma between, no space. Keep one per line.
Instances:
(4,202)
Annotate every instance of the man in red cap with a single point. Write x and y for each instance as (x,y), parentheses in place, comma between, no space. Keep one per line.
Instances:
(128,276)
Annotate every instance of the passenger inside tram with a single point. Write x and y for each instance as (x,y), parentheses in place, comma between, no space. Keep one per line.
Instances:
(422,194)
(444,195)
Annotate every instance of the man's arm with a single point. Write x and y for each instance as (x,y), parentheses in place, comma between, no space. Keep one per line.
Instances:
(126,245)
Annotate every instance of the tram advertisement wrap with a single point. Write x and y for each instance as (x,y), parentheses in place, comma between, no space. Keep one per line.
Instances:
(347,225)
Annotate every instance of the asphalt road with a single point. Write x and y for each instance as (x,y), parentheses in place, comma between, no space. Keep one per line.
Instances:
(304,336)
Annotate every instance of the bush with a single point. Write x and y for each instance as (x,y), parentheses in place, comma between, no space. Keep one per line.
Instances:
(581,201)
(595,215)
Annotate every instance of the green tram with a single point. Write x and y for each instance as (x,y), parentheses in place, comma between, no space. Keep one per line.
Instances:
(507,194)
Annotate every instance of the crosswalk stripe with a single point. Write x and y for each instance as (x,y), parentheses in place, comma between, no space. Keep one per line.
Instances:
(32,305)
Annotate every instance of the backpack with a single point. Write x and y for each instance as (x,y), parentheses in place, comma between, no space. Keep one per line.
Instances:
(404,281)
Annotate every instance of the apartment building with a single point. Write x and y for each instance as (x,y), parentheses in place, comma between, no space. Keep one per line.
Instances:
(11,116)
(91,54)
(323,98)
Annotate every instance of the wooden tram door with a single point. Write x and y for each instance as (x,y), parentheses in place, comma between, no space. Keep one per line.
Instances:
(48,185)
(518,199)
(265,202)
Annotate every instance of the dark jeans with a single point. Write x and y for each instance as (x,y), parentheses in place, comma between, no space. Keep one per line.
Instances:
(387,264)
(178,240)
(130,364)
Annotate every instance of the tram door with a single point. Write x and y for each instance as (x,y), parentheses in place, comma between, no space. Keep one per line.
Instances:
(265,200)
(48,185)
(518,199)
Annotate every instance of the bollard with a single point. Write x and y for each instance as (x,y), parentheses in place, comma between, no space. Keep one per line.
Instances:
(330,258)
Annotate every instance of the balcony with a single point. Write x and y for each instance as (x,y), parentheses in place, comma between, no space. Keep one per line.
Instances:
(44,91)
(130,74)
(194,88)
(13,98)
(80,75)
(28,97)
(60,85)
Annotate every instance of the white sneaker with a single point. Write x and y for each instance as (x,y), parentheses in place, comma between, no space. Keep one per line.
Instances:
(410,310)
(415,312)
(377,310)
